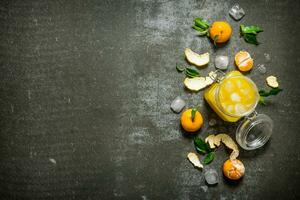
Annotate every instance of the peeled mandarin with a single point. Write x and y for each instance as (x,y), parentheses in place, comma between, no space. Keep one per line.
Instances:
(243,61)
(233,169)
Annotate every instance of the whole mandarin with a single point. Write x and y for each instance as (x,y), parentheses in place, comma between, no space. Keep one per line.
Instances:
(220,31)
(189,124)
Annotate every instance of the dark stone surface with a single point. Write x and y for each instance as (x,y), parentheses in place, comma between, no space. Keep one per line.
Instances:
(85,92)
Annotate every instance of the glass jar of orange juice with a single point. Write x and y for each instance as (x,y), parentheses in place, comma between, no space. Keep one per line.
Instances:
(234,96)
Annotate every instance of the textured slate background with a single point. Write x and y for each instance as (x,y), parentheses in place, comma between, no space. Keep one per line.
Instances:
(85,89)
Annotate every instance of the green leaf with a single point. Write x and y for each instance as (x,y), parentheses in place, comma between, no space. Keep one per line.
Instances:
(250,38)
(201,26)
(200,150)
(206,23)
(262,100)
(249,33)
(190,75)
(216,38)
(194,110)
(180,68)
(263,93)
(198,18)
(201,146)
(209,158)
(250,29)
(191,72)
(201,23)
(273,91)
(200,30)
(242,28)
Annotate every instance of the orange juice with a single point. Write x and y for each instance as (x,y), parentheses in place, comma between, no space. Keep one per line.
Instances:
(235,96)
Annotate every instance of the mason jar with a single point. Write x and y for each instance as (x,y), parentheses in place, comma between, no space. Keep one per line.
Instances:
(234,97)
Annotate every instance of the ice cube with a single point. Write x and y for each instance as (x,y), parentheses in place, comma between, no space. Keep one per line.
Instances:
(221,62)
(235,97)
(177,104)
(240,109)
(236,12)
(229,87)
(245,91)
(211,176)
(262,69)
(239,84)
(230,108)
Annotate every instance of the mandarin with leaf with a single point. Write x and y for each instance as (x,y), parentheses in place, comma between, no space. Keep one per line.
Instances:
(220,32)
(191,120)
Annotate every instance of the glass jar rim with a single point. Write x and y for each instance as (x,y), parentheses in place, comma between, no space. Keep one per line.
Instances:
(248,112)
(245,127)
